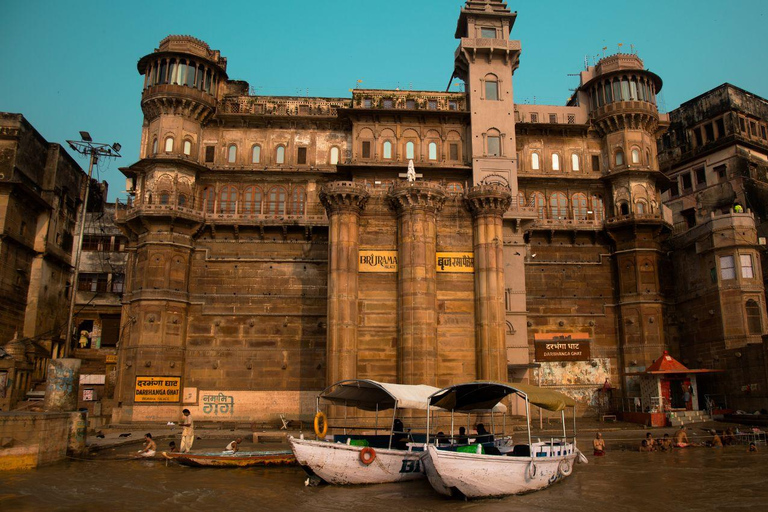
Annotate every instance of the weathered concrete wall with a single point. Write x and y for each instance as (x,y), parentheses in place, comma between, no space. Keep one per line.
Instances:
(35,438)
(62,385)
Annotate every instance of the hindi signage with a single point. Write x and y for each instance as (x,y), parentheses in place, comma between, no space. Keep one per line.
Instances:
(157,390)
(562,346)
(377,261)
(218,404)
(462,262)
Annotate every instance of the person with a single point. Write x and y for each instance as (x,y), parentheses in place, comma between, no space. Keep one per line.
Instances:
(598,443)
(665,443)
(728,437)
(716,441)
(644,447)
(650,440)
(399,435)
(85,338)
(187,425)
(441,439)
(172,448)
(462,439)
(681,438)
(752,447)
(482,434)
(737,208)
(233,447)
(150,448)
(686,395)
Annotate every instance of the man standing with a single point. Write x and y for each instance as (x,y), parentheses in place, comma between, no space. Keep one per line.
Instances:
(187,431)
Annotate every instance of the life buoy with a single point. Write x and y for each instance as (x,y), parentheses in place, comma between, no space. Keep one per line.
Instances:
(367,455)
(565,468)
(531,470)
(320,416)
(582,459)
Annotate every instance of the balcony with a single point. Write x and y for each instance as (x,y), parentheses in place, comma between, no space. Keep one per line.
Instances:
(426,101)
(233,213)
(283,106)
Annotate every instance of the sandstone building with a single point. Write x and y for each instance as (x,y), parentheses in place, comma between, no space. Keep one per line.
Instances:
(275,245)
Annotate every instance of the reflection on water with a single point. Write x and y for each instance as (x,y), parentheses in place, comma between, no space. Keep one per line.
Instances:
(694,479)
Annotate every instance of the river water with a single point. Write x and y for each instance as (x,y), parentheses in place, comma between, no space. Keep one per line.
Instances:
(689,480)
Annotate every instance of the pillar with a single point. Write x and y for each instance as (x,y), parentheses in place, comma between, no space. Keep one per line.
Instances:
(487,203)
(343,202)
(62,385)
(417,205)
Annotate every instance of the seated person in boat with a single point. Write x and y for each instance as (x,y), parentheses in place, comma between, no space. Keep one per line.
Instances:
(483,436)
(681,438)
(442,439)
(665,443)
(645,447)
(234,446)
(462,439)
(400,436)
(149,446)
(598,443)
(172,448)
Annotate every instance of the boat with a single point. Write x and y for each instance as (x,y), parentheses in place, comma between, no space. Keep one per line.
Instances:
(485,472)
(232,460)
(367,457)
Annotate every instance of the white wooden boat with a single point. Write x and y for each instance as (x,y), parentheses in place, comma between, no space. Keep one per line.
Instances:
(528,467)
(393,457)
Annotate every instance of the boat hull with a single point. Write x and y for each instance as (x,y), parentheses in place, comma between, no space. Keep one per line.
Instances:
(340,464)
(238,460)
(486,476)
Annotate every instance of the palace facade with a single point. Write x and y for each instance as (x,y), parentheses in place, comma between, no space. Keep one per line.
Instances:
(275,244)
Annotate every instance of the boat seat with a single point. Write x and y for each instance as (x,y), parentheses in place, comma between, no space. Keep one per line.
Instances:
(520,450)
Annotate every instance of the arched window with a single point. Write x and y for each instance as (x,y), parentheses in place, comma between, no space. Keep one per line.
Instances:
(154,146)
(558,204)
(619,157)
(182,201)
(251,201)
(334,155)
(598,209)
(228,199)
(579,206)
(454,188)
(647,157)
(574,162)
(623,208)
(387,152)
(555,162)
(165,198)
(209,199)
(168,144)
(491,87)
(280,155)
(298,200)
(754,320)
(540,203)
(493,143)
(535,161)
(635,156)
(187,147)
(232,154)
(640,207)
(432,150)
(276,201)
(521,199)
(256,154)
(409,150)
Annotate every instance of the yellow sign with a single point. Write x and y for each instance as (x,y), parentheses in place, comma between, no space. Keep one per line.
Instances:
(377,261)
(111,359)
(456,262)
(157,389)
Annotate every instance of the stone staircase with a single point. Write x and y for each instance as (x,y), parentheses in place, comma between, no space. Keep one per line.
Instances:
(679,418)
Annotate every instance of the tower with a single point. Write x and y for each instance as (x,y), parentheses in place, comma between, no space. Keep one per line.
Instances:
(181,82)
(621,96)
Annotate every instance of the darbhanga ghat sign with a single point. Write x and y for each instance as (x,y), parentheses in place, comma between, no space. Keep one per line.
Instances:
(377,261)
(562,346)
(463,262)
(157,390)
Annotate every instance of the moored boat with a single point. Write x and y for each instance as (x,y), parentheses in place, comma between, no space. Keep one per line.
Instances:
(233,460)
(494,473)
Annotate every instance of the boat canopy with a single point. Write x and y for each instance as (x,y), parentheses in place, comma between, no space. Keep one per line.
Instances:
(370,395)
(485,395)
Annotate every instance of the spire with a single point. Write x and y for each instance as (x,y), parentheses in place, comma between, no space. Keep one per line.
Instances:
(490,6)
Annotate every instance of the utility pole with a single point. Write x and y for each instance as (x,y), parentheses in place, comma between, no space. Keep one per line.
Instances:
(94,150)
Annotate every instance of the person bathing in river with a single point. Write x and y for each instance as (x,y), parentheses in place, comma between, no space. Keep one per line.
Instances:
(150,448)
(752,448)
(728,437)
(665,443)
(172,448)
(645,447)
(681,438)
(650,440)
(233,447)
(716,441)
(598,443)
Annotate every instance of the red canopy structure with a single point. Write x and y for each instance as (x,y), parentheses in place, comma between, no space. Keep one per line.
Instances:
(666,365)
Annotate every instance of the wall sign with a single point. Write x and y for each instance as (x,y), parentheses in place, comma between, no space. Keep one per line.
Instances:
(370,261)
(562,346)
(462,262)
(157,390)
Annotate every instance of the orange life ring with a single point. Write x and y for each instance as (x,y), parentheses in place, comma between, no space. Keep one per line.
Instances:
(318,417)
(367,455)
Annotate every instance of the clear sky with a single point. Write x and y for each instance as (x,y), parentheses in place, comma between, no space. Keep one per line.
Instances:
(70,66)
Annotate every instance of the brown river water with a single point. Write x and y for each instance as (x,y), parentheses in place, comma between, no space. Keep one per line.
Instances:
(684,480)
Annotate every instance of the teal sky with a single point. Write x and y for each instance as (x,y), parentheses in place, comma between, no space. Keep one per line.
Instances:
(70,66)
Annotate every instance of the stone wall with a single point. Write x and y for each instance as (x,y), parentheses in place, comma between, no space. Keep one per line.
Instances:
(33,439)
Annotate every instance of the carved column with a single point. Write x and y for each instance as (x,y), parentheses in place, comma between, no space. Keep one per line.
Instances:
(417,204)
(488,204)
(343,201)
